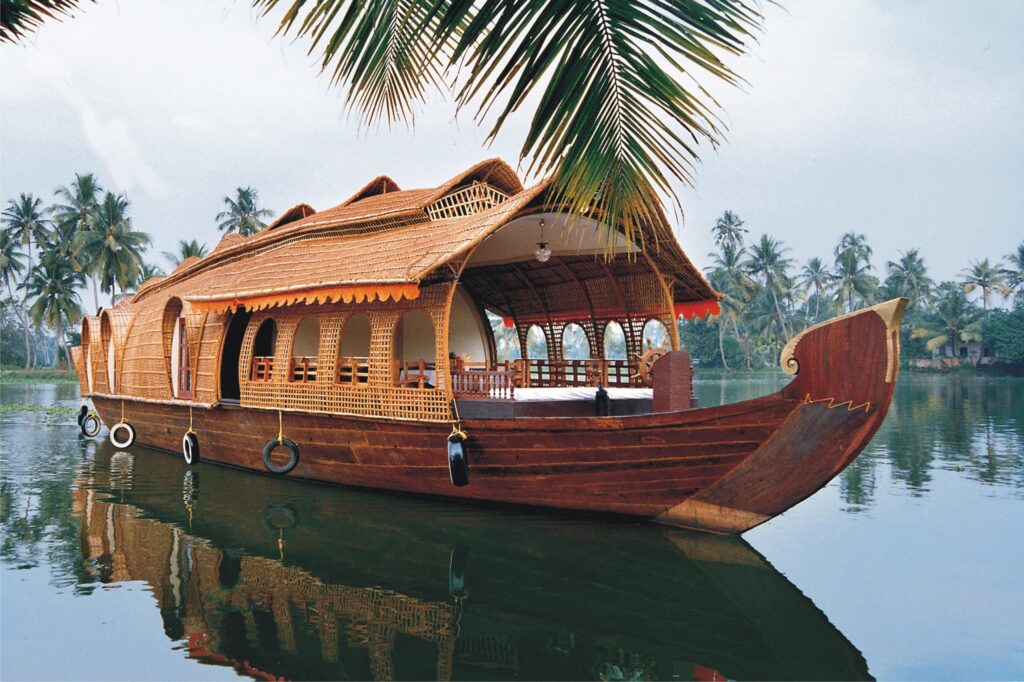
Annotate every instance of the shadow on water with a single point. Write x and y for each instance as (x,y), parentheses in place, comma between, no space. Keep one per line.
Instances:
(292,580)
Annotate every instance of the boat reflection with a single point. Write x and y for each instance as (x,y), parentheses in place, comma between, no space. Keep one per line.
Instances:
(281,580)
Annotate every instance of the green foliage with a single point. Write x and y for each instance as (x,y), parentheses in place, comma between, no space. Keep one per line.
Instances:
(49,411)
(186,250)
(244,215)
(1004,332)
(38,376)
(618,84)
(18,18)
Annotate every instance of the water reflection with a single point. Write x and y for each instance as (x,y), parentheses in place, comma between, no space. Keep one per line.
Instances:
(974,427)
(275,578)
(288,580)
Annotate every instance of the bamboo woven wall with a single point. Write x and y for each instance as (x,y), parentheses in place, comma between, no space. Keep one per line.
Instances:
(78,363)
(91,339)
(144,371)
(379,397)
(206,370)
(115,324)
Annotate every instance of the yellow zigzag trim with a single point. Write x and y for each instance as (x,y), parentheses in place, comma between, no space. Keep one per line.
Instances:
(832,404)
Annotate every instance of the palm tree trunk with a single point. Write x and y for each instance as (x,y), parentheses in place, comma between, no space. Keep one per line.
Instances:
(778,309)
(817,303)
(57,342)
(721,344)
(95,294)
(23,317)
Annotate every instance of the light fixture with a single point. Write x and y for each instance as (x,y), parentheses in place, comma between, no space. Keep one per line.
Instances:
(543,252)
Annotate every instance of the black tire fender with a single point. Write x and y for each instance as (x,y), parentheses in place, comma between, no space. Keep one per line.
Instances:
(272,445)
(458,464)
(122,442)
(83,412)
(90,425)
(190,448)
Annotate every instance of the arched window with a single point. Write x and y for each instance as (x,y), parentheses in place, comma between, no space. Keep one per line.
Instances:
(176,350)
(263,352)
(655,335)
(614,342)
(413,350)
(575,345)
(354,352)
(506,339)
(305,348)
(536,344)
(87,333)
(108,346)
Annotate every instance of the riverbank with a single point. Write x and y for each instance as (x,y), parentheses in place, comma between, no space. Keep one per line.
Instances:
(38,376)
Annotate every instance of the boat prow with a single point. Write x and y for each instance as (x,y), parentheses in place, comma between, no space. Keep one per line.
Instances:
(845,374)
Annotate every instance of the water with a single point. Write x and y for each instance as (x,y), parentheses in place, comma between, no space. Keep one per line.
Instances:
(129,565)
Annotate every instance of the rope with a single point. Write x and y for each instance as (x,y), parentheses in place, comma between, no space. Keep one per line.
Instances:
(190,429)
(456,422)
(122,412)
(280,428)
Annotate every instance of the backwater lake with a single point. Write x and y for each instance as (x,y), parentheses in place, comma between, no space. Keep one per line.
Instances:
(132,565)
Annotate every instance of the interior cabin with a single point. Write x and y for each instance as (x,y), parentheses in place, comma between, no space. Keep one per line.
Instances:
(395,302)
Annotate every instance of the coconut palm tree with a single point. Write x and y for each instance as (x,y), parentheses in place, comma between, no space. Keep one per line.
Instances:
(816,275)
(621,88)
(11,267)
(954,318)
(148,271)
(243,214)
(858,245)
(1015,273)
(27,221)
(53,287)
(74,213)
(908,277)
(986,276)
(768,262)
(853,280)
(729,230)
(186,249)
(112,248)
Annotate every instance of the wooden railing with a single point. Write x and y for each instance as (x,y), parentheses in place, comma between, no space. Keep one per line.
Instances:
(414,374)
(477,380)
(558,373)
(303,370)
(352,370)
(262,368)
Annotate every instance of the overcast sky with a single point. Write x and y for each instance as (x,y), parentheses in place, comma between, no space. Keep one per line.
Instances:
(902,120)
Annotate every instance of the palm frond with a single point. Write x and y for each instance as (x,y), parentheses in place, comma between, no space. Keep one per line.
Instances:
(18,18)
(620,107)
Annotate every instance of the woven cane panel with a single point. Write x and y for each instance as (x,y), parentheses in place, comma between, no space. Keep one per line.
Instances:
(378,397)
(207,357)
(172,311)
(144,371)
(115,324)
(78,363)
(96,355)
(466,201)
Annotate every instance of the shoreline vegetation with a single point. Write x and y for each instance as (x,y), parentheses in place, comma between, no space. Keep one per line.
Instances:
(85,243)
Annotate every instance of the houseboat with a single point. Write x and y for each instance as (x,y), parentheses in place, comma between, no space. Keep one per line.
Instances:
(353,346)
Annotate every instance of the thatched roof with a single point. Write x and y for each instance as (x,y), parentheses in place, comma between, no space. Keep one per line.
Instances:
(382,244)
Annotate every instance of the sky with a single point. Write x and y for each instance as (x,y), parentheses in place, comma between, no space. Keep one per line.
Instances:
(899,120)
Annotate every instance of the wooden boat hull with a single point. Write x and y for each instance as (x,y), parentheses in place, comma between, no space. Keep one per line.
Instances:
(722,469)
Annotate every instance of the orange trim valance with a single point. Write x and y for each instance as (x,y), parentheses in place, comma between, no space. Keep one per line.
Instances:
(353,293)
(691,309)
